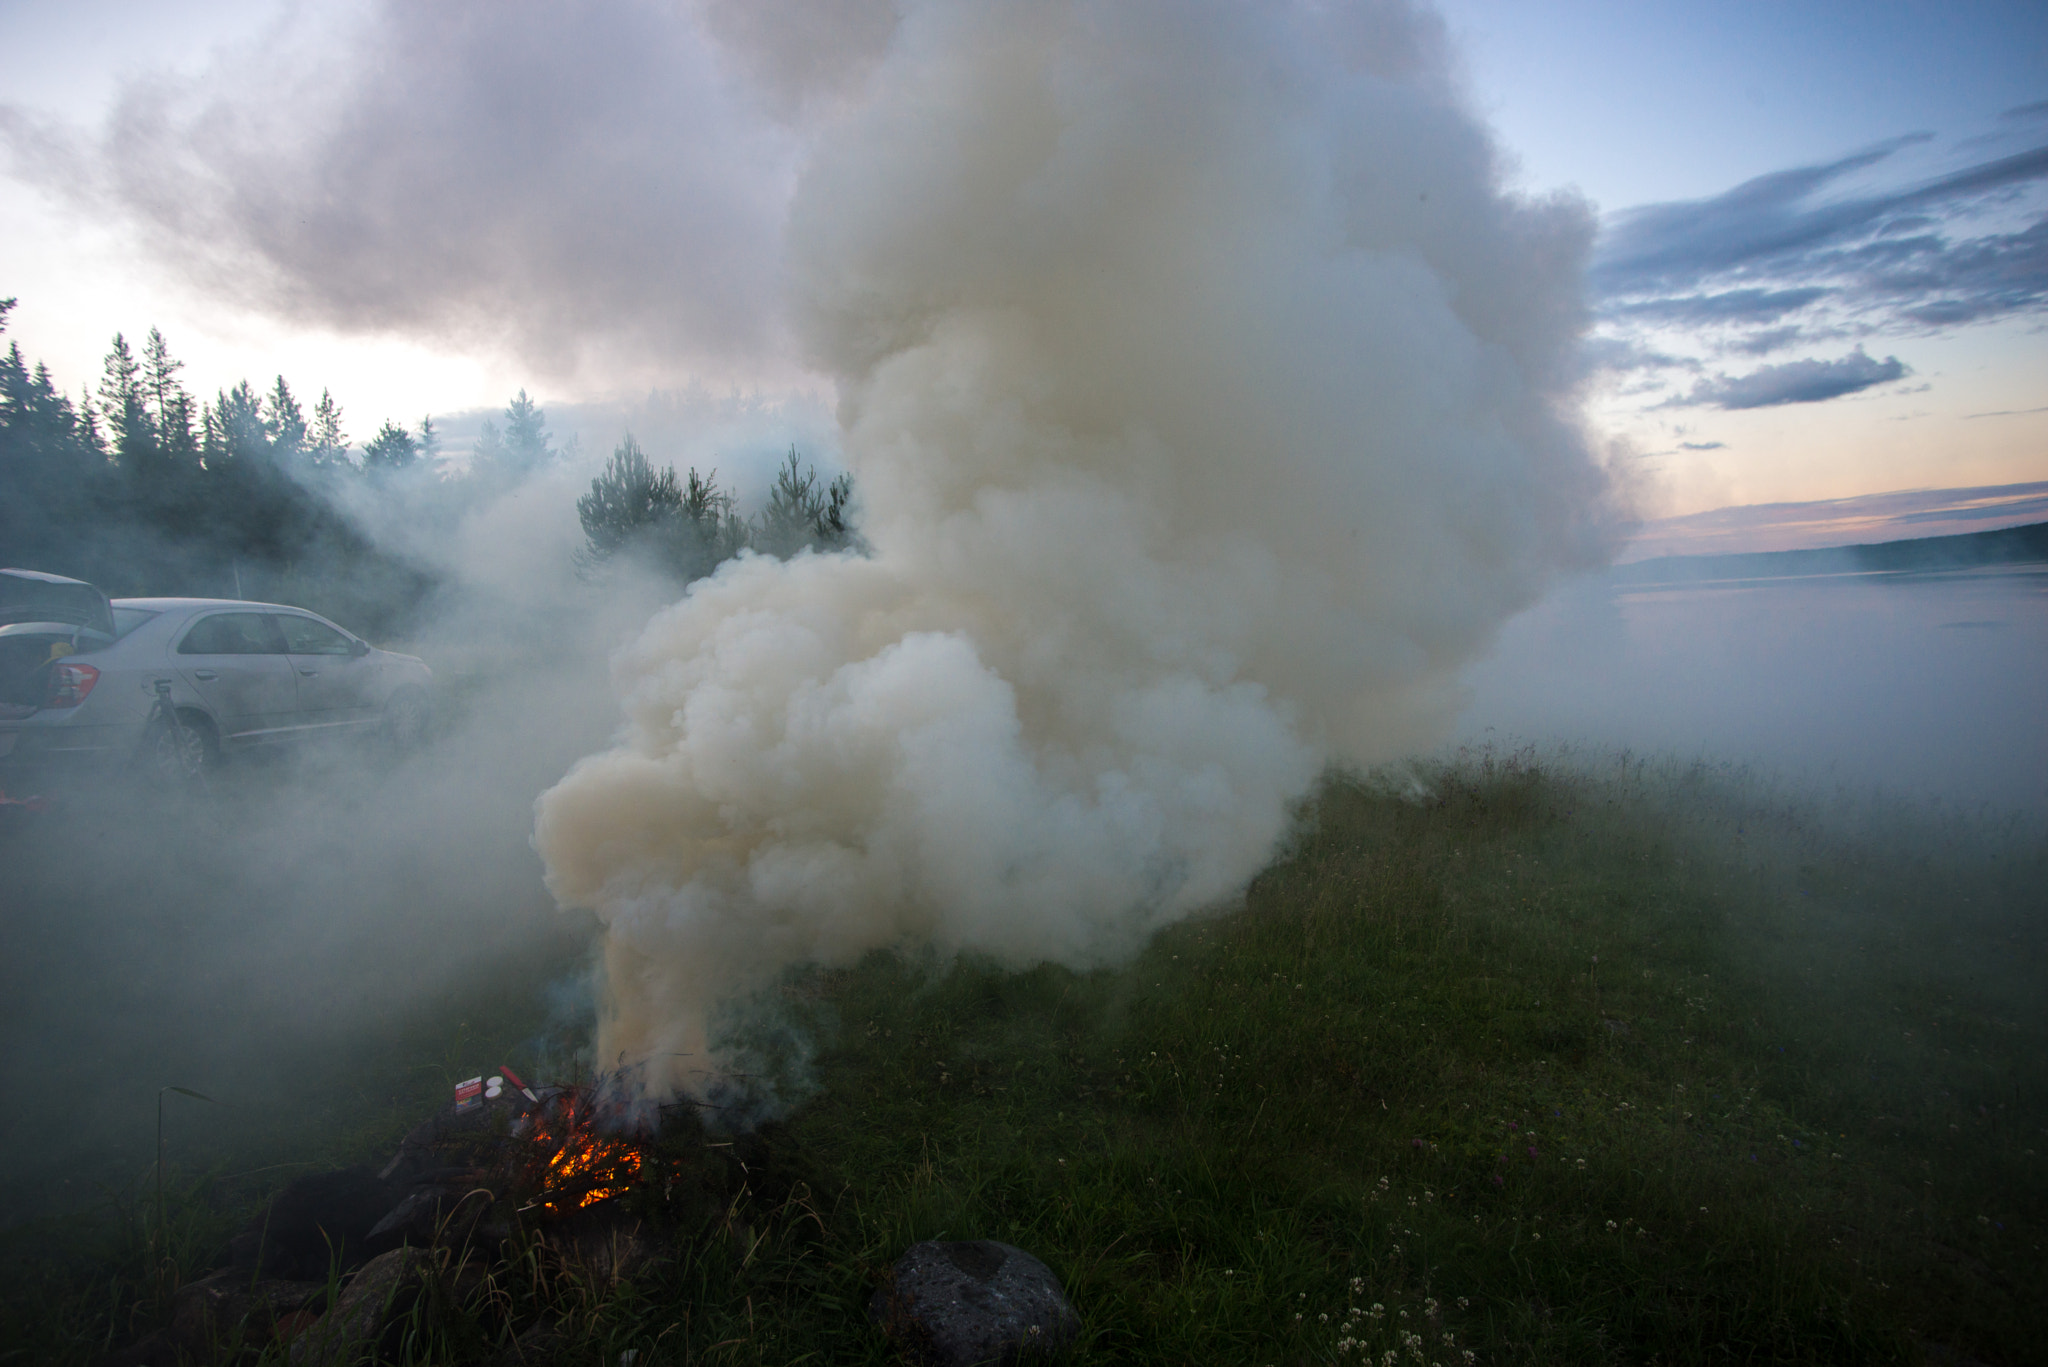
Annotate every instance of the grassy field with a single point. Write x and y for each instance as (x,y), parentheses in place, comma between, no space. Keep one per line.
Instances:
(1601,1062)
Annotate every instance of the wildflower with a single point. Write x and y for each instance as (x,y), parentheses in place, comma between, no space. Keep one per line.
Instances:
(1611,1226)
(1464,1304)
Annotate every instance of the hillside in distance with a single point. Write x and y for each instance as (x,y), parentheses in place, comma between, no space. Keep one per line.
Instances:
(2005,546)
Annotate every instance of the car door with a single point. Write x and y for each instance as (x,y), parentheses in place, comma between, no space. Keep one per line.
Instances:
(337,683)
(235,661)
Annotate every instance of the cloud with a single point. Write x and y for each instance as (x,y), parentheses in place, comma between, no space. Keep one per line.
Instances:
(1776,220)
(1729,306)
(1769,340)
(1729,273)
(1806,381)
(1703,445)
(597,184)
(1617,355)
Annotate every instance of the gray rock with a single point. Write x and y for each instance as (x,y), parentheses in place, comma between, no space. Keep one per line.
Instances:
(972,1303)
(374,1298)
(315,1222)
(228,1305)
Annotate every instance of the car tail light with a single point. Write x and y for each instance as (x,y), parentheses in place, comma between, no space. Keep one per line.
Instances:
(69,683)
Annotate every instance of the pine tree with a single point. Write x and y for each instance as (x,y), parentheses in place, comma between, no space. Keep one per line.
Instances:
(428,443)
(804,512)
(161,379)
(127,409)
(526,446)
(285,424)
(626,502)
(53,469)
(327,444)
(235,431)
(392,450)
(684,528)
(170,405)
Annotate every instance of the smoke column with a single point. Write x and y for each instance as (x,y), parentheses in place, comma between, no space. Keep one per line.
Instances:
(1211,403)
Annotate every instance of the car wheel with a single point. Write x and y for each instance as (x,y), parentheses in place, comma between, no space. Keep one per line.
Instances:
(405,720)
(175,756)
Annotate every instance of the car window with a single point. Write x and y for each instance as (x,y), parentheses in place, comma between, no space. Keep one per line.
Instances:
(127,619)
(304,636)
(233,633)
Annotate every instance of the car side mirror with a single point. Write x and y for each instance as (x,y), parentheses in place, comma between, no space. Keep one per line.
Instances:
(358,648)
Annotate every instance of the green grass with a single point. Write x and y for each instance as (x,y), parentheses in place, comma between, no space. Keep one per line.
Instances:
(1594,1063)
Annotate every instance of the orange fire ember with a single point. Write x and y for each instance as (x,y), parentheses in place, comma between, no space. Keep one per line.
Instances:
(583,1167)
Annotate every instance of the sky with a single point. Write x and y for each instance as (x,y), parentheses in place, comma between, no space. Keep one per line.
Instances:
(1822,271)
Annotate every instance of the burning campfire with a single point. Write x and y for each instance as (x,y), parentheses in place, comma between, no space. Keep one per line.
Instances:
(500,1156)
(558,1149)
(500,1163)
(566,1158)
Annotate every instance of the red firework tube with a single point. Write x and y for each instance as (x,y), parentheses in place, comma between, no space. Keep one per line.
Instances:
(513,1078)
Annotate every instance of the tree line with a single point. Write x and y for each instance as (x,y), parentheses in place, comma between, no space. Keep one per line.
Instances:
(145,490)
(686,528)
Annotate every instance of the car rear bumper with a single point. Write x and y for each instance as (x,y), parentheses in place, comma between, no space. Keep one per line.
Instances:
(31,753)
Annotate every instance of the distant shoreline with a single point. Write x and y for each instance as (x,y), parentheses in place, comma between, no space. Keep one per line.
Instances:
(2023,545)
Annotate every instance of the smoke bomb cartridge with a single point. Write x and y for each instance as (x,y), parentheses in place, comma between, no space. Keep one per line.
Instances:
(469,1095)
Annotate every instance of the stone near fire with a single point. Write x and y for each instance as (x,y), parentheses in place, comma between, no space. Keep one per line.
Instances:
(314,1221)
(375,1297)
(972,1303)
(230,1306)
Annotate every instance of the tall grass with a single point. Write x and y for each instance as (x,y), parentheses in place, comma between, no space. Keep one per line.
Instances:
(1573,1061)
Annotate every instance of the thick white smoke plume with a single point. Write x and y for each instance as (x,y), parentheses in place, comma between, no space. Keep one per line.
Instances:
(1211,403)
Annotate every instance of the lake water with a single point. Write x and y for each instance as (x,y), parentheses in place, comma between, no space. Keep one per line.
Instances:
(1922,685)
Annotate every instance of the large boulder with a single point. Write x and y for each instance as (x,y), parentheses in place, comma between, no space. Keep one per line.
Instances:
(373,1301)
(230,1307)
(973,1303)
(315,1222)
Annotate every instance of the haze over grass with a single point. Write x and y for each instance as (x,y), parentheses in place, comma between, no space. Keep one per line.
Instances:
(1586,1060)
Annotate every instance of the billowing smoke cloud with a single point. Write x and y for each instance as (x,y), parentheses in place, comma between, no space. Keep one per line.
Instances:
(1210,402)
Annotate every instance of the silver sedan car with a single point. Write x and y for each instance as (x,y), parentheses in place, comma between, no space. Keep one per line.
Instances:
(186,681)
